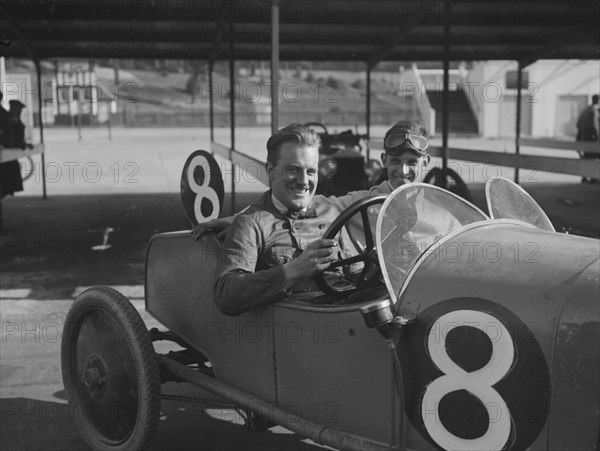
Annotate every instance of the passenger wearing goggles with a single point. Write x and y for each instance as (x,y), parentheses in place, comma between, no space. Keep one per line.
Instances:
(404,161)
(405,158)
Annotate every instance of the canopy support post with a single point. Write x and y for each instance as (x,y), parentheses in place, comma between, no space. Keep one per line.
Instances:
(211,118)
(38,70)
(518,121)
(368,111)
(232,110)
(274,66)
(445,98)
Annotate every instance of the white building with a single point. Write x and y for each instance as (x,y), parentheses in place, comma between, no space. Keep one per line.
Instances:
(558,91)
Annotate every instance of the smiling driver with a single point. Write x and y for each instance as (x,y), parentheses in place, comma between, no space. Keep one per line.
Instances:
(405,158)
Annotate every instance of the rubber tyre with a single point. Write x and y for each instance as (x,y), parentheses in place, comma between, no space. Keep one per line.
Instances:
(110,371)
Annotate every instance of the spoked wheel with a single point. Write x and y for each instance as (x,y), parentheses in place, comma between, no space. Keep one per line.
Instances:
(454,183)
(368,254)
(110,372)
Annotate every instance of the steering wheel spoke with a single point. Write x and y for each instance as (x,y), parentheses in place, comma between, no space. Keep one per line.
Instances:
(371,268)
(367,253)
(370,243)
(349,261)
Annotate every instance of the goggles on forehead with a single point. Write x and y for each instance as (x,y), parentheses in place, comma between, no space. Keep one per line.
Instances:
(397,139)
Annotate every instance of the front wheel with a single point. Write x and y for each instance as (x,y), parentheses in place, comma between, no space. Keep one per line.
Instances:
(110,371)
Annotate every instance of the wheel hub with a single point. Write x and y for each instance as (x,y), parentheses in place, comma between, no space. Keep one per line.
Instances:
(94,376)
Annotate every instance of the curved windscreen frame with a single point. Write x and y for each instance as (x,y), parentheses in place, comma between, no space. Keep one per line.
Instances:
(412,218)
(507,200)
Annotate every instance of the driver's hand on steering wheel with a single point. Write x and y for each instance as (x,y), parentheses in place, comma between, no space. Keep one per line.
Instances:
(316,258)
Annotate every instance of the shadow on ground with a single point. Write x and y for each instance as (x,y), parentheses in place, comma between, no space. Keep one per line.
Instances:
(186,423)
(53,246)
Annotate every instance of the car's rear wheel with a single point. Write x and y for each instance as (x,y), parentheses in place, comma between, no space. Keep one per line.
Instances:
(110,371)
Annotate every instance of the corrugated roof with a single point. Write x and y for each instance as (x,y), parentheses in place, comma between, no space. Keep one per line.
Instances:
(368,31)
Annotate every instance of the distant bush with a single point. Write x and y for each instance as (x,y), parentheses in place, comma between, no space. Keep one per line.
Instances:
(334,82)
(358,84)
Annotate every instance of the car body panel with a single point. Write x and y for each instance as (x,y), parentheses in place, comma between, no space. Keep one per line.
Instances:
(483,284)
(179,294)
(302,340)
(332,367)
(576,371)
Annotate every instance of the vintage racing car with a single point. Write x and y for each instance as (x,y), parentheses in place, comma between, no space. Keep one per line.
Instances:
(342,166)
(489,338)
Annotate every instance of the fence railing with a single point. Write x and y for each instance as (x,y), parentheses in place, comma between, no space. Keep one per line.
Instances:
(133,118)
(242,160)
(9,154)
(572,166)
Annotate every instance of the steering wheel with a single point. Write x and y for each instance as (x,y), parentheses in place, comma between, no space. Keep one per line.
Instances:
(454,183)
(368,255)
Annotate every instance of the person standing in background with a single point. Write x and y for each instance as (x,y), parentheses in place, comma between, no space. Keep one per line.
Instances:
(4,116)
(16,128)
(587,130)
(10,172)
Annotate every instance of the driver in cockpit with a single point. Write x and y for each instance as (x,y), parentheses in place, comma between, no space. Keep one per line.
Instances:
(273,249)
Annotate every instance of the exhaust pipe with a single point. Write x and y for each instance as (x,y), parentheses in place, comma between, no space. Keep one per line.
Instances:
(322,435)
